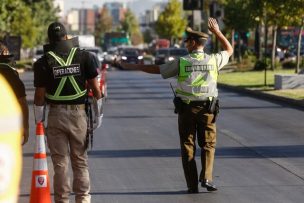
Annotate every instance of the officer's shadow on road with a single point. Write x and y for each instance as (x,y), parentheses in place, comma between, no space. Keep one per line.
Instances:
(281,151)
(181,192)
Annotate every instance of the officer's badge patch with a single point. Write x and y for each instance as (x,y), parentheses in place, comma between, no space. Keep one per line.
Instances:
(62,71)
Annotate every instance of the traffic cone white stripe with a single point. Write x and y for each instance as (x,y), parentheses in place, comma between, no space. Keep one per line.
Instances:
(40,146)
(40,164)
(40,190)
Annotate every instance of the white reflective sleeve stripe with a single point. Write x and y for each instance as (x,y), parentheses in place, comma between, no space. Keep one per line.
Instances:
(40,145)
(11,123)
(40,164)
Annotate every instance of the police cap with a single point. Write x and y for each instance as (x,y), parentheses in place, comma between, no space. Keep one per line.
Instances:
(195,35)
(56,32)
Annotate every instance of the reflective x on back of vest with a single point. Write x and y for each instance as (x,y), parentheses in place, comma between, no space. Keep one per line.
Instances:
(197,77)
(79,92)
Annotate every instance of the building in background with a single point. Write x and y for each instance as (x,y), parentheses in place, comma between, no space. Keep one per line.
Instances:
(117,11)
(149,18)
(72,21)
(81,21)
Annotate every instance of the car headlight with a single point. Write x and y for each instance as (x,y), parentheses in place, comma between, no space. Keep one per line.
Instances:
(124,58)
(170,58)
(140,57)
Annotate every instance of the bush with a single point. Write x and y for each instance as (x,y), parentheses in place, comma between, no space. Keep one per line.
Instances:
(260,65)
(247,62)
(289,65)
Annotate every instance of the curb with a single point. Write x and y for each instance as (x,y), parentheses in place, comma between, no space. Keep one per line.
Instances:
(299,104)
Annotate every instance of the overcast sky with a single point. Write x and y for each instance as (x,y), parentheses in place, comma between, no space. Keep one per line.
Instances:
(137,6)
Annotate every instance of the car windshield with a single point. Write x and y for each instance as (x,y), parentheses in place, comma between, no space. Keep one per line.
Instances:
(96,51)
(178,52)
(130,52)
(162,52)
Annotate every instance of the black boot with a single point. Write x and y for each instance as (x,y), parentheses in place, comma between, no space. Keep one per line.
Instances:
(209,185)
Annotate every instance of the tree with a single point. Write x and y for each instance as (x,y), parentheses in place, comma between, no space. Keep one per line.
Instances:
(238,22)
(103,25)
(130,25)
(283,13)
(29,19)
(171,24)
(15,19)
(43,13)
(147,36)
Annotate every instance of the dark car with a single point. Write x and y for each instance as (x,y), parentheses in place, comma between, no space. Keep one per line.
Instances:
(169,54)
(97,51)
(131,55)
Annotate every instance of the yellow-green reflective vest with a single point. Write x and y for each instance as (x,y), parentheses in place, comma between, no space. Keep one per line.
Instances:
(197,79)
(79,92)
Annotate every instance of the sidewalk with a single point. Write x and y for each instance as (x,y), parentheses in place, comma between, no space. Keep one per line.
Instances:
(299,104)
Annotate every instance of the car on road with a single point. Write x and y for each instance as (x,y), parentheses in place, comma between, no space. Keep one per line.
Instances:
(97,51)
(165,55)
(131,55)
(102,70)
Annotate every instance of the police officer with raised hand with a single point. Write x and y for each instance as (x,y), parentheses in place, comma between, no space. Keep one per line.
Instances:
(60,78)
(8,71)
(196,101)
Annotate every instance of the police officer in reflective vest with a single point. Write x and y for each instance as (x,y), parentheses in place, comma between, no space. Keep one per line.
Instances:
(60,77)
(10,139)
(196,101)
(8,71)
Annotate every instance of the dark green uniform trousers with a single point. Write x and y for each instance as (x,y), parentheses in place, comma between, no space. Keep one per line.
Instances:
(196,121)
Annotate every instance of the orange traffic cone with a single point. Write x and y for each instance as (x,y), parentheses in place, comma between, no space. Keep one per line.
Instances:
(40,190)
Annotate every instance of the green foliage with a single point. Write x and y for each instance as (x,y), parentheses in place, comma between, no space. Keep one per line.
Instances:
(147,36)
(170,23)
(30,20)
(130,25)
(260,65)
(289,65)
(103,25)
(248,62)
(43,13)
(236,18)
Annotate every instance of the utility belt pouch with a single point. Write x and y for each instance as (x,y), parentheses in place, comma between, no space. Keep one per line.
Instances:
(178,104)
(214,108)
(212,104)
(89,135)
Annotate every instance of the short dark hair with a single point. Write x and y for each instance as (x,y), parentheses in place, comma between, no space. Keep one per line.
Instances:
(56,32)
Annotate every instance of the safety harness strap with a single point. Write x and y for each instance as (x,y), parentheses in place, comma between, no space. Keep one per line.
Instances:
(62,82)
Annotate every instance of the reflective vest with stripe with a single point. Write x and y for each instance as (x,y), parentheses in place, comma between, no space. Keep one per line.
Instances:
(10,144)
(57,96)
(197,79)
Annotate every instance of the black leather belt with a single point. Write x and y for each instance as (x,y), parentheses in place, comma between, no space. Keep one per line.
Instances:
(68,106)
(200,103)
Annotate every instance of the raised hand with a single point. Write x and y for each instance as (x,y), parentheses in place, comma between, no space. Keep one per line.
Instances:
(213,25)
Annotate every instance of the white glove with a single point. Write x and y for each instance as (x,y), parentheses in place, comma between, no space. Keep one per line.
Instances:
(97,122)
(97,106)
(98,113)
(39,112)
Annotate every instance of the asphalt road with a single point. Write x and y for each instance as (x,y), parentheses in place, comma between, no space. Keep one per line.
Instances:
(136,155)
